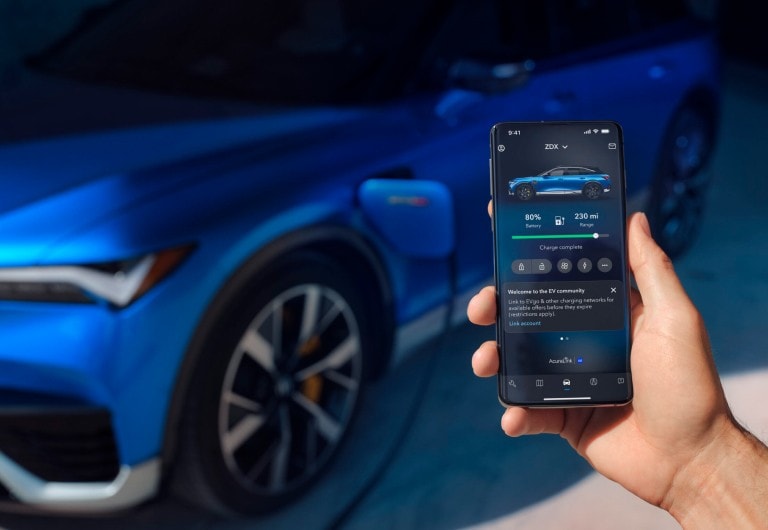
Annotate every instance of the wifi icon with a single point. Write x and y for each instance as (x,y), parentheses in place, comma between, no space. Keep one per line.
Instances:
(594,131)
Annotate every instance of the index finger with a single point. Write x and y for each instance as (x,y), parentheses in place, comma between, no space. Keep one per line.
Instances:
(652,268)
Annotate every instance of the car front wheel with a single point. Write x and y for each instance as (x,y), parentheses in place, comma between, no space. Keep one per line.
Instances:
(276,389)
(524,192)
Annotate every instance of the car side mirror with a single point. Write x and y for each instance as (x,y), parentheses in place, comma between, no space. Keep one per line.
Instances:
(488,78)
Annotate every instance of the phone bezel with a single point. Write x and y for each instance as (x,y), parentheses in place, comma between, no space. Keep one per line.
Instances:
(581,124)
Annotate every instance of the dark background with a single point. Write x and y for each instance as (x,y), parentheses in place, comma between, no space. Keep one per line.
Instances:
(452,467)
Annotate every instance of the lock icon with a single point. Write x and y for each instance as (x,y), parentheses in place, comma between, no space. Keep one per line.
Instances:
(521,266)
(542,267)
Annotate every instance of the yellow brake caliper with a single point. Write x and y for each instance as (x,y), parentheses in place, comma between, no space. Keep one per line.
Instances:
(312,387)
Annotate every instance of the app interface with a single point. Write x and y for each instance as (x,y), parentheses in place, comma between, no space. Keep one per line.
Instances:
(560,262)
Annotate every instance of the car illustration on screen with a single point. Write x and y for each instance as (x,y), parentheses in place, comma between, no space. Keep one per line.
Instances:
(589,183)
(214,237)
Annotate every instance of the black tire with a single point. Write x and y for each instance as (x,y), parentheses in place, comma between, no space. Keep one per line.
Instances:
(592,191)
(679,189)
(525,192)
(276,388)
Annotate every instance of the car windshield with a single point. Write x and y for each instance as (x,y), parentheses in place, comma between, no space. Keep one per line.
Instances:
(267,51)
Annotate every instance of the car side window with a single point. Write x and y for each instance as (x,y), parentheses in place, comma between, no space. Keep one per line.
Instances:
(492,31)
(514,31)
(581,24)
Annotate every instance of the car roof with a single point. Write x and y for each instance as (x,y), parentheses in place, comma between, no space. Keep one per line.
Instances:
(591,169)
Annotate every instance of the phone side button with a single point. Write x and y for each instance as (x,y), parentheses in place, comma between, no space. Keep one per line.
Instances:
(490,176)
(490,186)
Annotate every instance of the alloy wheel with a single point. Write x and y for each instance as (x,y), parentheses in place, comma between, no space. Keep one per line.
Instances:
(524,192)
(592,191)
(290,389)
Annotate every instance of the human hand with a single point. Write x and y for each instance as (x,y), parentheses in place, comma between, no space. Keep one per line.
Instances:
(679,418)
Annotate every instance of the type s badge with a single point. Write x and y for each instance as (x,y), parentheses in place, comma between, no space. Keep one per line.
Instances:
(562,283)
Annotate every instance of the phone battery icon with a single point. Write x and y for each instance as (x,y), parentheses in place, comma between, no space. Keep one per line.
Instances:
(604,131)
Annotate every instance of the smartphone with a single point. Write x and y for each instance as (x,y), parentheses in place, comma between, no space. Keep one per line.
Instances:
(562,281)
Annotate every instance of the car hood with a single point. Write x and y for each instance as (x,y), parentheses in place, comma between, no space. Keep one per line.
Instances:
(54,187)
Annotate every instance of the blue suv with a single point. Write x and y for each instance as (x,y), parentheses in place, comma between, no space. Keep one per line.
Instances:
(586,182)
(220,220)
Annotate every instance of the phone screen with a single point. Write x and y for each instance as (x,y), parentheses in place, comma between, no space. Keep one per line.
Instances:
(559,220)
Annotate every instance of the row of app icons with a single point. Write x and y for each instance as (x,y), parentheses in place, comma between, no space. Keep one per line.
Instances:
(564,265)
(566,383)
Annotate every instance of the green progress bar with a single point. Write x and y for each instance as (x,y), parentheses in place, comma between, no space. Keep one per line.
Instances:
(562,236)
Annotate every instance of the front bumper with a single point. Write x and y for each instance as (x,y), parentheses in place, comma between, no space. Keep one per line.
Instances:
(131,486)
(84,392)
(60,455)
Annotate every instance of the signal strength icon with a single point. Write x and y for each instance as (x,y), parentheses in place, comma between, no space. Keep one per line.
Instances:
(588,131)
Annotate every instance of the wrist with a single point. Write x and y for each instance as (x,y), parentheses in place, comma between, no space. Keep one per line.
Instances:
(725,485)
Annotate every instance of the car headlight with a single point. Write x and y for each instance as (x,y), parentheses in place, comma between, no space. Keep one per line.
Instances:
(118,282)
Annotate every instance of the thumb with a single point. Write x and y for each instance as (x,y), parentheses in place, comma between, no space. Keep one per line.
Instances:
(653,270)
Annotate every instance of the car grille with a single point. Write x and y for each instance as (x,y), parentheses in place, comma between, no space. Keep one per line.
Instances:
(56,439)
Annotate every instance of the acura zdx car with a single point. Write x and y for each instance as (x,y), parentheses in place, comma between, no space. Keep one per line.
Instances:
(586,182)
(219,220)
